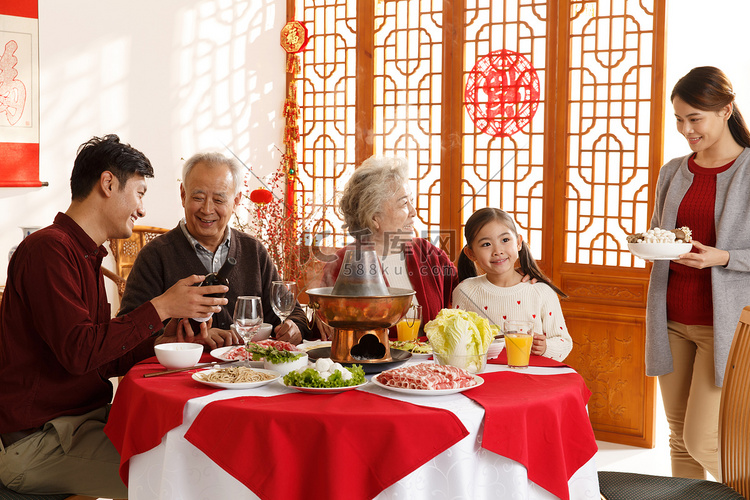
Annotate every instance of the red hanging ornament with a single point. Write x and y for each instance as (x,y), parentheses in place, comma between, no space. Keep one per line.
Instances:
(261,196)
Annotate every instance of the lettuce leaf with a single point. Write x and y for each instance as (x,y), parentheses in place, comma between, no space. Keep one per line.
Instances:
(455,332)
(311,378)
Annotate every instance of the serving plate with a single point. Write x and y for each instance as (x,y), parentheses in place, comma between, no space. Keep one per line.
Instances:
(415,355)
(220,353)
(428,392)
(399,357)
(419,356)
(240,385)
(322,390)
(659,251)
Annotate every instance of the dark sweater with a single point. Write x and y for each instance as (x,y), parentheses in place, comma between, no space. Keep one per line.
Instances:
(170,258)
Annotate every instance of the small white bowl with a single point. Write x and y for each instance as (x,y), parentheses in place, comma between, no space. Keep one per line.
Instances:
(263,332)
(178,354)
(284,368)
(496,347)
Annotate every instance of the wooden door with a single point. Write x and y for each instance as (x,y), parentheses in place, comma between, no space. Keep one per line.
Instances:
(573,157)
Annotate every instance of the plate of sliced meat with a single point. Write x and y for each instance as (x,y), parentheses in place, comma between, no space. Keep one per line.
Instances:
(427,380)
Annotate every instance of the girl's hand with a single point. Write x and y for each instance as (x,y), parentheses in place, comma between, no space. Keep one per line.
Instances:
(539,347)
(705,257)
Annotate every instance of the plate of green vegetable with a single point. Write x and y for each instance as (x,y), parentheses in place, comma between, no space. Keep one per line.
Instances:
(310,380)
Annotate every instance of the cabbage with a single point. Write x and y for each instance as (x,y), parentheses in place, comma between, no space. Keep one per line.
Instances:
(455,332)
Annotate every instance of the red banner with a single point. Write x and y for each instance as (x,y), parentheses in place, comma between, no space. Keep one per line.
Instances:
(19,94)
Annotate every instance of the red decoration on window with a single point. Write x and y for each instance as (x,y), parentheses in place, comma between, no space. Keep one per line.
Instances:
(502,93)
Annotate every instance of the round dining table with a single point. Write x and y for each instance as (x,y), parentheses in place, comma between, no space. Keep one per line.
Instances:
(181,439)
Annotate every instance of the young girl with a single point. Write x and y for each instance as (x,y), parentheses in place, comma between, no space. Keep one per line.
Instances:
(493,244)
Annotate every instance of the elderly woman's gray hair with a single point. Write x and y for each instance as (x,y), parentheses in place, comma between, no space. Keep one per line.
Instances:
(216,160)
(371,185)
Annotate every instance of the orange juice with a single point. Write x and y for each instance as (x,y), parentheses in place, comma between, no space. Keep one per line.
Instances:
(408,329)
(518,348)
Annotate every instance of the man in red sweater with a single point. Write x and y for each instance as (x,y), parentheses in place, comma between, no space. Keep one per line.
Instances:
(58,342)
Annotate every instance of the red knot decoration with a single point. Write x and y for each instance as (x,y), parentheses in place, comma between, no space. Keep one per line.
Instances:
(502,93)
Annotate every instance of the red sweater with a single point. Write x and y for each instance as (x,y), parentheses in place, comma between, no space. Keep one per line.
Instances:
(689,295)
(58,342)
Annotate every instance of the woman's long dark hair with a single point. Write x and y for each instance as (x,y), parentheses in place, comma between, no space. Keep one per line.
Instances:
(480,218)
(708,89)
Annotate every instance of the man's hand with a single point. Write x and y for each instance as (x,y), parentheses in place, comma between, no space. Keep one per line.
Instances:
(183,300)
(705,257)
(221,338)
(288,331)
(179,330)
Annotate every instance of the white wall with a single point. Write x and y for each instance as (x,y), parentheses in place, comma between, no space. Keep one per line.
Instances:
(703,33)
(176,76)
(171,77)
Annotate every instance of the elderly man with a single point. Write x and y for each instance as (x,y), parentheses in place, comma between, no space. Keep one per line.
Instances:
(58,342)
(201,243)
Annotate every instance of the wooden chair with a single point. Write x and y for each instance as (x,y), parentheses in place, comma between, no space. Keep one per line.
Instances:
(125,251)
(734,442)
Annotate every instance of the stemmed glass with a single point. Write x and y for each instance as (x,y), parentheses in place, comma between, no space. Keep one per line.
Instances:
(283,298)
(248,316)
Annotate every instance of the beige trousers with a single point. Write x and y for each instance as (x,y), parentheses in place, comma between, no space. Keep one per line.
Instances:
(69,455)
(691,401)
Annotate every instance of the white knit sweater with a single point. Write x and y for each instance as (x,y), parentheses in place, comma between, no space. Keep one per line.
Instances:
(537,303)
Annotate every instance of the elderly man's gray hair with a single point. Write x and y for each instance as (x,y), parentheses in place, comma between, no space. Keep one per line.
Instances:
(216,159)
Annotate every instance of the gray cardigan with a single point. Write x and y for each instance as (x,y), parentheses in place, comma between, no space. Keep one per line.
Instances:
(730,285)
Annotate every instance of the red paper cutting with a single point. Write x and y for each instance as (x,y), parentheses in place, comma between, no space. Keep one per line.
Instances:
(502,93)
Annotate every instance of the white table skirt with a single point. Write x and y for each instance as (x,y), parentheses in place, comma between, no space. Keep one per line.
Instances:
(178,470)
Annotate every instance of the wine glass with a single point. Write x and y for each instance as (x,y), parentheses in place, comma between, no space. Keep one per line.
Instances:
(283,298)
(248,316)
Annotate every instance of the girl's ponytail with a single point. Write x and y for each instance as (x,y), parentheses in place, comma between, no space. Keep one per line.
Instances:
(528,266)
(466,267)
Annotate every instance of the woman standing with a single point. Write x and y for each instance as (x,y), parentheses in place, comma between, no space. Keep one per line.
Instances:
(694,303)
(378,209)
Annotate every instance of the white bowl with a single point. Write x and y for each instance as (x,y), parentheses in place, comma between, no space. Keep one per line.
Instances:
(263,332)
(178,354)
(659,251)
(284,368)
(496,347)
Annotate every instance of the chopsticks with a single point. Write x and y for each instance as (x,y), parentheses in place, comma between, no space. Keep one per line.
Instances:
(196,367)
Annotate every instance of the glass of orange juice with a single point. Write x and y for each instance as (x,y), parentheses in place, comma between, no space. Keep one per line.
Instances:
(519,335)
(408,326)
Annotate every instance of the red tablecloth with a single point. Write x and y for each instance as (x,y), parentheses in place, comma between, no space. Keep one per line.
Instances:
(539,421)
(345,446)
(139,417)
(534,360)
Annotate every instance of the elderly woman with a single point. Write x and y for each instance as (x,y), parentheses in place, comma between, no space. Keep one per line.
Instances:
(377,207)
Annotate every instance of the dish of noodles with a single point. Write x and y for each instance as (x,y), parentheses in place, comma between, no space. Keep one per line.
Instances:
(235,377)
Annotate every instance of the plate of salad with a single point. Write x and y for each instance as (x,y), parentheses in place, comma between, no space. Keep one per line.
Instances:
(325,377)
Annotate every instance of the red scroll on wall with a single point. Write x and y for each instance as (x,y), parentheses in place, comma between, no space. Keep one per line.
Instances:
(19,93)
